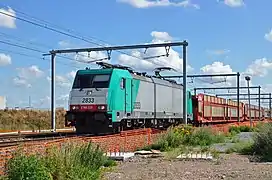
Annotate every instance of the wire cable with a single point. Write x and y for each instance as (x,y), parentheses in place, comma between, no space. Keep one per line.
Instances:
(67,34)
(35,57)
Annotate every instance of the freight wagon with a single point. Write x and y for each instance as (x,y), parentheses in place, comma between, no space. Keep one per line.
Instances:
(116,98)
(209,109)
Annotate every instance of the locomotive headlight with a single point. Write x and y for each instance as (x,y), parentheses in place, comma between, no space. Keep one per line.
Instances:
(74,107)
(101,107)
(89,93)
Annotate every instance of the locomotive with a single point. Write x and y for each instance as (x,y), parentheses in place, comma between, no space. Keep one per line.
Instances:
(116,98)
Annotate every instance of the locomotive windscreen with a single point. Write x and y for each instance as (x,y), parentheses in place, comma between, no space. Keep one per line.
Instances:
(91,81)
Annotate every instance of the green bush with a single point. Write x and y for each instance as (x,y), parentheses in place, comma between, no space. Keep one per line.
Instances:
(243,147)
(233,130)
(203,137)
(186,135)
(262,144)
(31,167)
(71,162)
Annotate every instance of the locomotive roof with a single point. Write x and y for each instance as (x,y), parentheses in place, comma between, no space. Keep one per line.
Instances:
(140,75)
(94,71)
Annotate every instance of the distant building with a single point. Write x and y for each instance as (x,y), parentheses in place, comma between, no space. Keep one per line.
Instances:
(3,102)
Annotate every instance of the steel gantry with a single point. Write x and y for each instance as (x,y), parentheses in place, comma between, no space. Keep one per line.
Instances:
(211,75)
(109,49)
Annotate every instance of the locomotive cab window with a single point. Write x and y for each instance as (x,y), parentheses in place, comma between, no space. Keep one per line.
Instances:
(92,81)
(101,81)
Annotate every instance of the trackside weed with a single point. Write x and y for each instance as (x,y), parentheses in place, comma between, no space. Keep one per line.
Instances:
(72,162)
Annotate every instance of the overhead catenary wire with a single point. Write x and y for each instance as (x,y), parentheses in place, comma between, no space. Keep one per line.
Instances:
(57,31)
(69,34)
(37,50)
(35,43)
(58,26)
(35,57)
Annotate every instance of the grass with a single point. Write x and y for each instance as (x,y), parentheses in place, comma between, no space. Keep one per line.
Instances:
(71,162)
(186,136)
(183,139)
(233,130)
(29,119)
(261,146)
(242,147)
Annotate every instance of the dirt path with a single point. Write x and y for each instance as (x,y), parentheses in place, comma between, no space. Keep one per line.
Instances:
(226,167)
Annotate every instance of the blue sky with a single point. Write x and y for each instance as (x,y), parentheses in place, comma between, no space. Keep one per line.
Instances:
(224,37)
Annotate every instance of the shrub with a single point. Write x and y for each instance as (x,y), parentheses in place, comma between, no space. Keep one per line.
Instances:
(31,167)
(233,130)
(186,135)
(243,147)
(203,137)
(262,144)
(73,161)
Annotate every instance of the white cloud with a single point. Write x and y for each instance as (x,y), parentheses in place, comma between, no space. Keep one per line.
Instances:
(60,81)
(26,75)
(30,72)
(259,67)
(219,68)
(64,81)
(164,36)
(173,60)
(90,57)
(233,3)
(64,44)
(4,59)
(61,101)
(268,36)
(218,51)
(71,74)
(216,67)
(21,82)
(7,21)
(267,88)
(159,3)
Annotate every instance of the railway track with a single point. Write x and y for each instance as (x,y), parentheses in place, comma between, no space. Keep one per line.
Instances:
(17,139)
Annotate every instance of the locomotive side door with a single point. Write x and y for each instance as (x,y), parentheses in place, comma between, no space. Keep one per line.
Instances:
(128,95)
(127,84)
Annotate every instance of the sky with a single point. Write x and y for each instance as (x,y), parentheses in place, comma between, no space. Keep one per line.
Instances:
(224,36)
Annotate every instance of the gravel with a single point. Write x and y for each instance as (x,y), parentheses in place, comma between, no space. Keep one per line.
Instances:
(227,166)
(222,147)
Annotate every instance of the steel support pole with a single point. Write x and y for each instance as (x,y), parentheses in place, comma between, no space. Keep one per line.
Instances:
(249,104)
(53,110)
(259,91)
(270,106)
(184,84)
(238,96)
